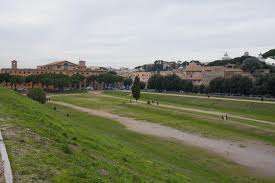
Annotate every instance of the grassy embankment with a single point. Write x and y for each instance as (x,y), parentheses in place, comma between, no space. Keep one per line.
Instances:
(45,145)
(204,124)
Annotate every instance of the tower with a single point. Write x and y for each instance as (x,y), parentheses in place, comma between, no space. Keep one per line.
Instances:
(14,64)
(82,64)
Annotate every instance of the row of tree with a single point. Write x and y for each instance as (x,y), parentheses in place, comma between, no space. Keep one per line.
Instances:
(240,85)
(169,83)
(263,85)
(59,81)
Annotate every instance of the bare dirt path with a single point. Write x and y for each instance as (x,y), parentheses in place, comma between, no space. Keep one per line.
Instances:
(202,111)
(257,156)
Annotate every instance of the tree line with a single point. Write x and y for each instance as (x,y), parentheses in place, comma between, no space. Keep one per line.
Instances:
(241,85)
(60,81)
(169,83)
(236,85)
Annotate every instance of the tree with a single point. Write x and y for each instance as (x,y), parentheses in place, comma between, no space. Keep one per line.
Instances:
(5,78)
(136,88)
(34,79)
(109,79)
(14,80)
(37,94)
(217,85)
(156,82)
(127,83)
(252,64)
(76,79)
(270,53)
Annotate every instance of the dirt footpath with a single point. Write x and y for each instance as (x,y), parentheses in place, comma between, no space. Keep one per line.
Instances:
(257,156)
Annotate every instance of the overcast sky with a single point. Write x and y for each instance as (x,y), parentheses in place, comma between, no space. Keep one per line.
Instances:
(132,32)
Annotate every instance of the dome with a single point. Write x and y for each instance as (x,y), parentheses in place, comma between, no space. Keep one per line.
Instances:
(226,57)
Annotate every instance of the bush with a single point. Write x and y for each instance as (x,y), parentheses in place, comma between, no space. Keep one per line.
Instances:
(37,94)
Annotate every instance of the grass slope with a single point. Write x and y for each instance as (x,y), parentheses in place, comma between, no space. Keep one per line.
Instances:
(45,145)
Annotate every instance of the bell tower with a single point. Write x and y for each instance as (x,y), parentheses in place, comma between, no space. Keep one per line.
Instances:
(14,64)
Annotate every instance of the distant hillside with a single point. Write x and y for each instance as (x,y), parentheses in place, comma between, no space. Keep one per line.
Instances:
(160,65)
(247,63)
(270,53)
(237,61)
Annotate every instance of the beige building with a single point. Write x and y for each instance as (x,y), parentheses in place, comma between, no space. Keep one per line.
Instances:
(143,76)
(60,67)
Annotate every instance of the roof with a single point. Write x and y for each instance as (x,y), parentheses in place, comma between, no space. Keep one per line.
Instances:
(193,67)
(59,62)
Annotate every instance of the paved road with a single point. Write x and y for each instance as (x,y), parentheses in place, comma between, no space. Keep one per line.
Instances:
(258,157)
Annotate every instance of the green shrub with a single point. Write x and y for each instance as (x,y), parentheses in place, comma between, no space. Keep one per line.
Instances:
(37,94)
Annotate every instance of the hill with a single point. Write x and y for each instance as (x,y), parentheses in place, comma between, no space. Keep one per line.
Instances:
(270,53)
(247,63)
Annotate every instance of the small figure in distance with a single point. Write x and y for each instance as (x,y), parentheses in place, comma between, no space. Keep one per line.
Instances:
(157,102)
(54,108)
(262,98)
(68,115)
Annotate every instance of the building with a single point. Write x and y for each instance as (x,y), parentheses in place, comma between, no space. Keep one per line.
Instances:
(226,57)
(59,67)
(143,76)
(203,75)
(194,73)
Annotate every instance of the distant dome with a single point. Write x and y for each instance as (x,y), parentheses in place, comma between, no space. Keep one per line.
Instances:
(226,57)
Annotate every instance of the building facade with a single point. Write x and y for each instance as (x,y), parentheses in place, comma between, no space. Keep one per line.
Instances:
(60,67)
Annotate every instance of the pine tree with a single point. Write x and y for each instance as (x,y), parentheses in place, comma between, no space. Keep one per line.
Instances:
(136,88)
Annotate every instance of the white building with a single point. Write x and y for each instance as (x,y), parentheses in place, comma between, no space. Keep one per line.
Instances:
(226,57)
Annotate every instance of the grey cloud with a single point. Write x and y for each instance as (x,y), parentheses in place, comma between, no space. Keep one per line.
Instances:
(123,32)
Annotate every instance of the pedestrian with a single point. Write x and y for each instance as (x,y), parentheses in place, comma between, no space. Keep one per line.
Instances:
(226,117)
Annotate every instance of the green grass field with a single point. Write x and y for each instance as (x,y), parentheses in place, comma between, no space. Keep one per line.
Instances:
(207,125)
(45,145)
(261,111)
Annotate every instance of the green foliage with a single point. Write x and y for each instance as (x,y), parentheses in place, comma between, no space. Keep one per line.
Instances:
(109,79)
(265,85)
(136,88)
(4,78)
(235,85)
(127,83)
(169,83)
(270,53)
(252,64)
(37,94)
